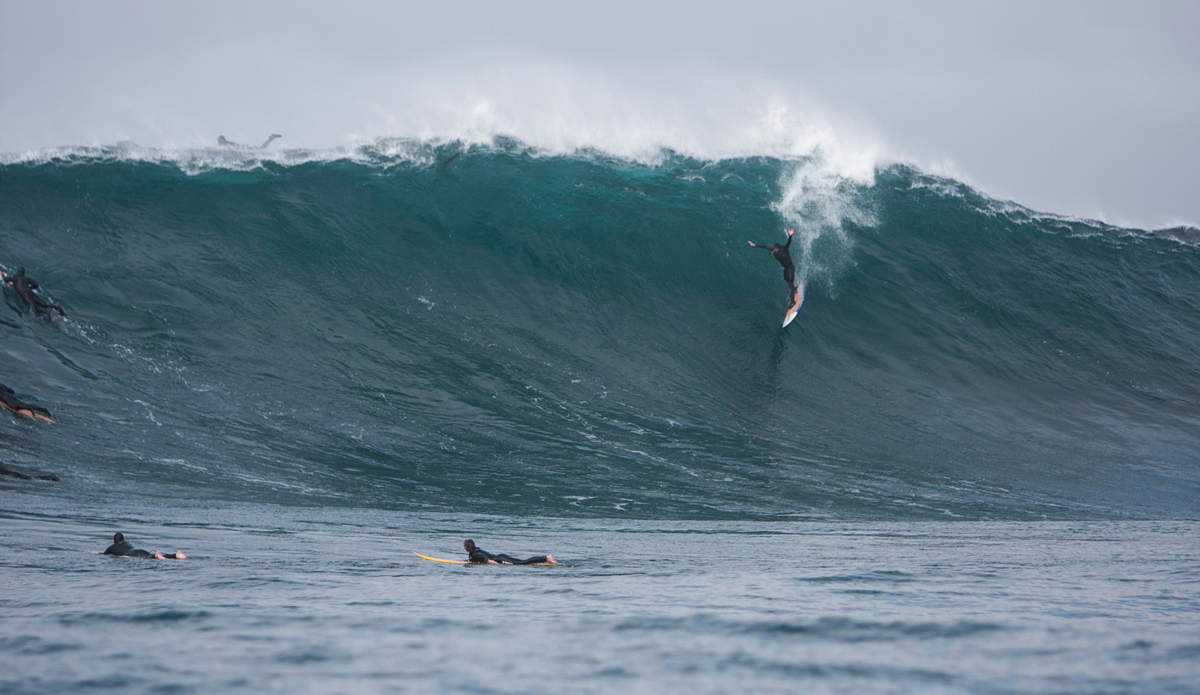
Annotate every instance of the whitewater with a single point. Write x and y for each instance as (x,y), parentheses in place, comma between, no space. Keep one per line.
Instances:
(970,464)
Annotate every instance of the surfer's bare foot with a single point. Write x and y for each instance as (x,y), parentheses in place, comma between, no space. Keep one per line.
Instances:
(158,555)
(179,555)
(550,560)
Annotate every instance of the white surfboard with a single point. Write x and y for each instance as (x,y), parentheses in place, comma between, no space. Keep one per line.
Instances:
(797,300)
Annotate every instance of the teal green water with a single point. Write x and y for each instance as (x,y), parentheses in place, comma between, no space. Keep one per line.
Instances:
(493,329)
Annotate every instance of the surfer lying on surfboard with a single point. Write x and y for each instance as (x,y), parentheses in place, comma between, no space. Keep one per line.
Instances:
(480,557)
(9,400)
(24,286)
(795,291)
(122,548)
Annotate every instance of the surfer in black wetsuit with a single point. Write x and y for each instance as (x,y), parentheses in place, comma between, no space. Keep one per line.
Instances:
(480,557)
(9,400)
(6,471)
(24,286)
(123,548)
(781,254)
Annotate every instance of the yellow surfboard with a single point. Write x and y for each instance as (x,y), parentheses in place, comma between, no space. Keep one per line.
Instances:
(438,559)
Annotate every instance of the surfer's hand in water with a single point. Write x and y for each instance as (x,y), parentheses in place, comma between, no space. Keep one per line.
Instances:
(791,232)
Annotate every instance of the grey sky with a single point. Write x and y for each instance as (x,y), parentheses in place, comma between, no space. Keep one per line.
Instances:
(1085,108)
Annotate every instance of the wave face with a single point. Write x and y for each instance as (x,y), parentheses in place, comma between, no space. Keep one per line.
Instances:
(497,329)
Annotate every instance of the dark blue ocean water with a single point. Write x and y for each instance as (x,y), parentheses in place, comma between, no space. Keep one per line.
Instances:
(330,600)
(970,465)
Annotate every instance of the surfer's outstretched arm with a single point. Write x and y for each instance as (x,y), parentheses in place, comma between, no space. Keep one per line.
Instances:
(271,139)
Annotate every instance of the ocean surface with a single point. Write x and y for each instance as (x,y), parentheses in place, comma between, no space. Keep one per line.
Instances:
(971,465)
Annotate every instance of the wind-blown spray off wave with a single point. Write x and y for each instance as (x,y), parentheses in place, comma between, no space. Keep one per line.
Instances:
(498,328)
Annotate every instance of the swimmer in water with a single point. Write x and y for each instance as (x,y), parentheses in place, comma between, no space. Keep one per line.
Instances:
(122,548)
(24,286)
(781,254)
(9,400)
(480,557)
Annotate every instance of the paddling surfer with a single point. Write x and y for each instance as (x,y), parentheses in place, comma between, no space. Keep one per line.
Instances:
(478,556)
(24,286)
(9,400)
(123,548)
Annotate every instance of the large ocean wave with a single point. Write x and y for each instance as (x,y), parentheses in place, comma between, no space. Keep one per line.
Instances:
(490,325)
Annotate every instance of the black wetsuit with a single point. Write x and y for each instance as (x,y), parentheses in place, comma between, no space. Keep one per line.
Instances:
(781,254)
(6,471)
(24,286)
(124,549)
(9,400)
(480,557)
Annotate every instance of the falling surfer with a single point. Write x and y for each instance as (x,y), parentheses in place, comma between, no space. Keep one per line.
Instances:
(230,143)
(796,289)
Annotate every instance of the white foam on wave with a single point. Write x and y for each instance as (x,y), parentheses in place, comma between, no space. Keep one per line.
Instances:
(558,111)
(554,110)
(200,160)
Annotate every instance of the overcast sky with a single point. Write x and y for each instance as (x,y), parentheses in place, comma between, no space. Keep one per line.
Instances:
(1082,108)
